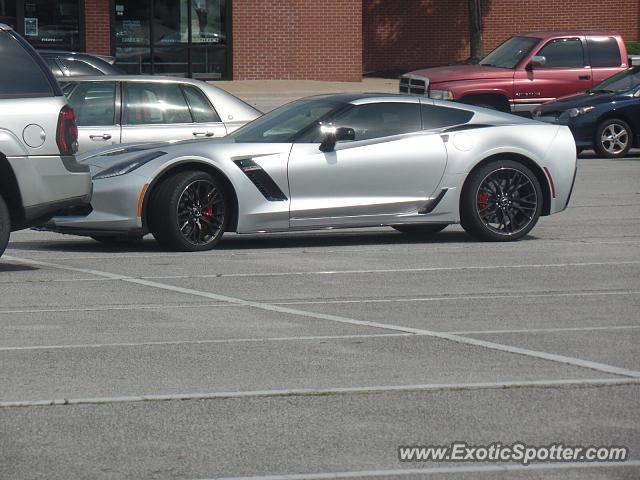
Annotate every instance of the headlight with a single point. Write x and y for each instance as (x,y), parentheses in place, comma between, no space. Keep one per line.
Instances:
(128,165)
(574,112)
(441,94)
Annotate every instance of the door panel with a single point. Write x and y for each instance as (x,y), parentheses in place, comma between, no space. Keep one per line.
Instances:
(363,180)
(159,112)
(564,73)
(97,113)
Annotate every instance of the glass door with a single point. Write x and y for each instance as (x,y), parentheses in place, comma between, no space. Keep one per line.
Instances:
(173,37)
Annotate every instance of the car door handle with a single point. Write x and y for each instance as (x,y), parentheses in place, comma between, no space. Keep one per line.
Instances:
(203,134)
(104,136)
(584,77)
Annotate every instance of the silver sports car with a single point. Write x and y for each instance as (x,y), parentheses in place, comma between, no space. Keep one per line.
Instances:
(351,160)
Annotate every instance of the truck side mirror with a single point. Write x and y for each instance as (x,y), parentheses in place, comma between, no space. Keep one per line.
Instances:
(538,61)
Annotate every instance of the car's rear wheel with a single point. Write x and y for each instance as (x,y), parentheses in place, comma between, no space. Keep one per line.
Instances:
(188,212)
(5,226)
(502,201)
(614,138)
(426,229)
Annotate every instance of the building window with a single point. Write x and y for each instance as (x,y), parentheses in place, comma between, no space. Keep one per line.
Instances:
(50,24)
(8,13)
(174,37)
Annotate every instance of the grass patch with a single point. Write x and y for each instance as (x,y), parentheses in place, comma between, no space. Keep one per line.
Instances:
(633,48)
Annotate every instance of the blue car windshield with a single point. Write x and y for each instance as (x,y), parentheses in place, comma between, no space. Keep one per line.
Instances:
(510,53)
(284,124)
(622,82)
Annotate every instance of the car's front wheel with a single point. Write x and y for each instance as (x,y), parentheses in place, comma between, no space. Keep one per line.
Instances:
(5,226)
(426,229)
(188,212)
(502,201)
(614,138)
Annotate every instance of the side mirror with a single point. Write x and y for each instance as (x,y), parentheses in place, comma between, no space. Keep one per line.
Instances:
(537,61)
(331,135)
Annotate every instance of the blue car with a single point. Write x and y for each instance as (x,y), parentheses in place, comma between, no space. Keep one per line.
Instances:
(605,118)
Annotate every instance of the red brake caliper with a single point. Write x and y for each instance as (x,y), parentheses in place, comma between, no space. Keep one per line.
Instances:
(483,202)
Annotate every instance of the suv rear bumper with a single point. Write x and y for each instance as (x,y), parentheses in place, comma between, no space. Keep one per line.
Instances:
(49,183)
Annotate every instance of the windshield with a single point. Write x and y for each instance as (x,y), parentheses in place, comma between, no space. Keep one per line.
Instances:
(622,82)
(510,53)
(284,124)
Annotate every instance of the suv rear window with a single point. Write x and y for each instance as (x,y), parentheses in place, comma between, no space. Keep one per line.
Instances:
(20,75)
(604,52)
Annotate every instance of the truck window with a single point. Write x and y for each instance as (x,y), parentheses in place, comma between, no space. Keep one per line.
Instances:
(604,52)
(20,75)
(563,53)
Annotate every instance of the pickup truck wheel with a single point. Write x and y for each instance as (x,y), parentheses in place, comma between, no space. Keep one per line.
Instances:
(188,212)
(613,138)
(5,226)
(501,201)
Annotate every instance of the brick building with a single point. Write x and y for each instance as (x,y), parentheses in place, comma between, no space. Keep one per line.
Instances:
(295,39)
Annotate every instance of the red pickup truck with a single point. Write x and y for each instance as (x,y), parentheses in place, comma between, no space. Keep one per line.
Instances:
(526,70)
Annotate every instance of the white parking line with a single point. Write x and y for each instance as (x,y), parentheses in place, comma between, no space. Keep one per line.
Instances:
(335,318)
(328,302)
(205,342)
(546,330)
(299,338)
(457,469)
(311,392)
(459,297)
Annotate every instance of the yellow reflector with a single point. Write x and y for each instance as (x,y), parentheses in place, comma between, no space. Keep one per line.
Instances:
(141,199)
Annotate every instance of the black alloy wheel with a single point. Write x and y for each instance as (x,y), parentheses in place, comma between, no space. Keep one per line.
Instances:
(502,202)
(188,212)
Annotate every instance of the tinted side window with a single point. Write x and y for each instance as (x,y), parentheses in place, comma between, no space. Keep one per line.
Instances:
(434,116)
(381,119)
(566,53)
(78,67)
(201,109)
(604,52)
(20,75)
(156,103)
(94,103)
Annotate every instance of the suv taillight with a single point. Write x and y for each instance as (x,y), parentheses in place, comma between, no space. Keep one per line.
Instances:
(67,134)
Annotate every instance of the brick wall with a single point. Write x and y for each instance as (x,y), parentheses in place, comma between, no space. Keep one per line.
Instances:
(402,35)
(297,39)
(503,20)
(409,34)
(98,27)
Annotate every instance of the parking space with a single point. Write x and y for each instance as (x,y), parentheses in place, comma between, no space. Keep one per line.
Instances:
(318,354)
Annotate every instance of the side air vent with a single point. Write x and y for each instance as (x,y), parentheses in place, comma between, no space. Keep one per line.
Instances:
(429,207)
(261,180)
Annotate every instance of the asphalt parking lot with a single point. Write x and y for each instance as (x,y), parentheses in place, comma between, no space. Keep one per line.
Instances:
(316,355)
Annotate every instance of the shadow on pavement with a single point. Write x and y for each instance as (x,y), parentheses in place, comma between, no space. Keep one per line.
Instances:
(255,241)
(14,267)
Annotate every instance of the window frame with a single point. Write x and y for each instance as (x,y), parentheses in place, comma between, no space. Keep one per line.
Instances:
(591,41)
(125,100)
(205,97)
(564,40)
(117,110)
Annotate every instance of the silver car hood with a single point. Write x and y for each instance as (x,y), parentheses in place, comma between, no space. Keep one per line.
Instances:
(108,156)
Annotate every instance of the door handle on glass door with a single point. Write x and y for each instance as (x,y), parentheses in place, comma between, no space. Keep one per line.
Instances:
(104,136)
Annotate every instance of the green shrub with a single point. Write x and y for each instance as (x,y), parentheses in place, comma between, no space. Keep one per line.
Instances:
(633,48)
